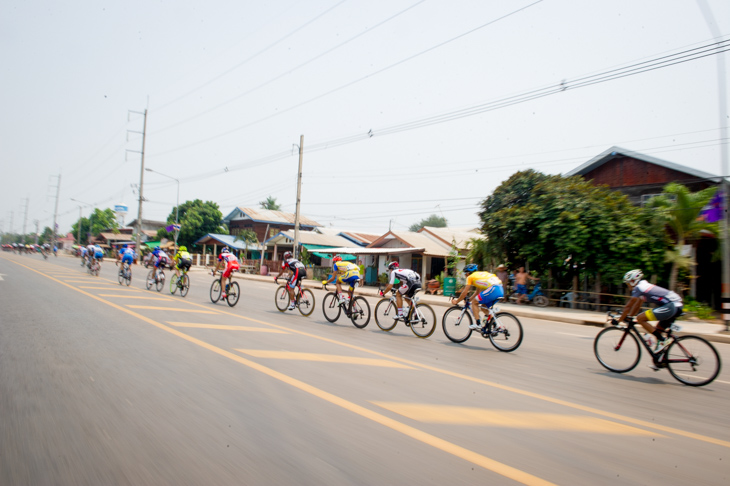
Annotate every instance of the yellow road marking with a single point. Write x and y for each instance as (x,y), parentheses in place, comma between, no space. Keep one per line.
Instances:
(227,328)
(171,309)
(117,296)
(419,435)
(105,287)
(455,415)
(324,358)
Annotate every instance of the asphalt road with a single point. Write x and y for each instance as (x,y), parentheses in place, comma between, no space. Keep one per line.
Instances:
(107,385)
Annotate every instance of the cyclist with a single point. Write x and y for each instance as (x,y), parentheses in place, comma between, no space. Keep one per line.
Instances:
(297,272)
(83,252)
(98,254)
(410,282)
(126,256)
(670,307)
(182,260)
(159,260)
(343,272)
(489,290)
(90,250)
(229,260)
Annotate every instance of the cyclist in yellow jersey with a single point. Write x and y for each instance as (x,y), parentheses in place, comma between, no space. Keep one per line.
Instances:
(182,260)
(344,272)
(489,290)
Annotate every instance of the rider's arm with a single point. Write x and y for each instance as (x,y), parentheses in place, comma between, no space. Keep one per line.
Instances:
(463,294)
(632,307)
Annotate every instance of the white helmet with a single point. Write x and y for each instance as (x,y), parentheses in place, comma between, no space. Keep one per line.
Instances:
(633,277)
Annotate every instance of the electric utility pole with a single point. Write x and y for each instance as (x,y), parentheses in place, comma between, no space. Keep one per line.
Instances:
(299,198)
(55,211)
(141,183)
(25,218)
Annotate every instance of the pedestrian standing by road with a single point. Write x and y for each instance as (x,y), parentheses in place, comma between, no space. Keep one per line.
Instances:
(521,277)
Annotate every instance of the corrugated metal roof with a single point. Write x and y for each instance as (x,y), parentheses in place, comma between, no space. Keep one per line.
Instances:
(268,216)
(460,235)
(228,240)
(308,238)
(416,240)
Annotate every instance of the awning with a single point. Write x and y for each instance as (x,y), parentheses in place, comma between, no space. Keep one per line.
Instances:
(323,251)
(345,256)
(358,250)
(152,244)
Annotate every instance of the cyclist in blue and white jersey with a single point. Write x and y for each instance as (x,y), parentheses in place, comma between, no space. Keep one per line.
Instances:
(126,255)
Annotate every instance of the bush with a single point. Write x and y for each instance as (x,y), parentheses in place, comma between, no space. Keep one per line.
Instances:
(700,309)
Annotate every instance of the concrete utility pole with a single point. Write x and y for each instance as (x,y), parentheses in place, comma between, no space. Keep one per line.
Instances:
(55,211)
(299,198)
(25,218)
(141,185)
(724,163)
(37,223)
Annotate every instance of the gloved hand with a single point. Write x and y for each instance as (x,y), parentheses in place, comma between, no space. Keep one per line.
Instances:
(380,292)
(324,282)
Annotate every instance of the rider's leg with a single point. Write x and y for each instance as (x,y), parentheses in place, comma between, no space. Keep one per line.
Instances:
(399,303)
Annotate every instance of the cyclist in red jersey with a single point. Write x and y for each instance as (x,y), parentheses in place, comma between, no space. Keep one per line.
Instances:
(229,260)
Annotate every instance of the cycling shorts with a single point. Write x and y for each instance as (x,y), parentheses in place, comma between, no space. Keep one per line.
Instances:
(409,287)
(161,262)
(491,295)
(127,258)
(352,280)
(184,263)
(297,276)
(665,314)
(230,267)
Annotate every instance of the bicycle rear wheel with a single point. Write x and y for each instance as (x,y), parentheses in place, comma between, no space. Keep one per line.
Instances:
(281,298)
(506,332)
(173,284)
(233,294)
(185,285)
(692,360)
(360,313)
(120,276)
(330,307)
(150,279)
(305,302)
(215,290)
(455,323)
(617,349)
(160,282)
(423,320)
(386,315)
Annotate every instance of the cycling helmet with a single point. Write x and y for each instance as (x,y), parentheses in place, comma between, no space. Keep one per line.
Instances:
(124,247)
(336,259)
(472,267)
(156,251)
(183,248)
(393,265)
(287,255)
(633,277)
(225,250)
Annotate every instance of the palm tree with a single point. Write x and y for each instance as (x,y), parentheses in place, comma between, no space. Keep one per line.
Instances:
(270,203)
(679,209)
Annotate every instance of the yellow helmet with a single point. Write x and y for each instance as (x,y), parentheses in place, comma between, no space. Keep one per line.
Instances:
(183,248)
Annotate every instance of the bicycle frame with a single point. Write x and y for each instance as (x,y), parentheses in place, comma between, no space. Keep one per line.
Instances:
(656,357)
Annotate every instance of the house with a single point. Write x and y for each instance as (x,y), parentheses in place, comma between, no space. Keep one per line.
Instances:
(66,243)
(265,222)
(640,176)
(314,241)
(149,228)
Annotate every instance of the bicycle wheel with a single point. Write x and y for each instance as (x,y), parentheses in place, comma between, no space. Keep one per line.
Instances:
(540,301)
(330,308)
(160,282)
(305,302)
(692,360)
(386,315)
(423,320)
(455,323)
(215,290)
(120,276)
(150,279)
(281,298)
(360,314)
(173,284)
(185,285)
(506,333)
(617,349)
(233,294)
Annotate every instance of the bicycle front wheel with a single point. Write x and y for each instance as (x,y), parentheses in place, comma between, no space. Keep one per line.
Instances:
(330,308)
(506,332)
(233,294)
(386,314)
(617,349)
(150,279)
(215,290)
(160,283)
(455,323)
(423,320)
(360,312)
(121,277)
(693,361)
(185,286)
(173,284)
(305,302)
(281,298)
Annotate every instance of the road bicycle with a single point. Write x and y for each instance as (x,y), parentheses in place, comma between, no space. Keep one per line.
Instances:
(94,267)
(690,359)
(182,282)
(419,317)
(125,274)
(503,329)
(156,277)
(357,308)
(233,290)
(304,298)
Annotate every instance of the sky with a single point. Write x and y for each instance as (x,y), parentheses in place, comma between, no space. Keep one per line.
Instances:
(407,108)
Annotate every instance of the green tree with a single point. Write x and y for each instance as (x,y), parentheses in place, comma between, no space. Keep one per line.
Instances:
(678,209)
(46,236)
(196,219)
(270,203)
(433,221)
(544,220)
(100,220)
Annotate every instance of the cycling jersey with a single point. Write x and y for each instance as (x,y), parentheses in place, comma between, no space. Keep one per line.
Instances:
(655,294)
(348,273)
(231,263)
(410,281)
(483,280)
(127,255)
(292,264)
(183,259)
(162,259)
